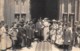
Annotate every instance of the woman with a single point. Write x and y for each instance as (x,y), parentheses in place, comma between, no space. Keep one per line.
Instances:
(59,35)
(53,31)
(46,25)
(3,36)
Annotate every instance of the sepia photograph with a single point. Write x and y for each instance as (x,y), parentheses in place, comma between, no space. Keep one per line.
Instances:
(39,25)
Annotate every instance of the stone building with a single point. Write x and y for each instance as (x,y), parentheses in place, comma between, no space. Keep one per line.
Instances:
(14,10)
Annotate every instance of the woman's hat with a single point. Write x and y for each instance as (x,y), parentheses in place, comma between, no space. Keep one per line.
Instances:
(45,18)
(54,20)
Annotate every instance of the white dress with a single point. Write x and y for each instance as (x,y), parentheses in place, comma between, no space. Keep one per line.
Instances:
(59,39)
(46,30)
(53,31)
(3,38)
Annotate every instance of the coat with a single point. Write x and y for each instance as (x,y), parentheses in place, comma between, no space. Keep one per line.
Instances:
(20,36)
(13,33)
(39,29)
(29,32)
(67,36)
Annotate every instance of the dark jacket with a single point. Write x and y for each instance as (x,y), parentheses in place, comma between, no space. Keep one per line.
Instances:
(39,29)
(29,32)
(67,36)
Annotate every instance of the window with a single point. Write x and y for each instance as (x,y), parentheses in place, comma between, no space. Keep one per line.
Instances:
(65,18)
(23,16)
(71,19)
(17,17)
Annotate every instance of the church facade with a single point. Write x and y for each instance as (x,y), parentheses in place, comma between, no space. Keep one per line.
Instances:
(14,10)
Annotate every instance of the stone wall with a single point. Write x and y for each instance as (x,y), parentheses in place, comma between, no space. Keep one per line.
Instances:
(79,10)
(11,8)
(1,9)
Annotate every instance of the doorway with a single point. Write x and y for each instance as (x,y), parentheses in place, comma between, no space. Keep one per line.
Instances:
(44,8)
(52,9)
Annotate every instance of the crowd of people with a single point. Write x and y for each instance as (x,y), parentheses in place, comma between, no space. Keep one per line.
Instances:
(22,34)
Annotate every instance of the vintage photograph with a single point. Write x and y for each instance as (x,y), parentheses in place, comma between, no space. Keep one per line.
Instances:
(39,25)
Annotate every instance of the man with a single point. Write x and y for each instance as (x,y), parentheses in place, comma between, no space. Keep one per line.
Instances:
(29,34)
(38,31)
(3,36)
(67,36)
(20,36)
(78,35)
(75,41)
(13,34)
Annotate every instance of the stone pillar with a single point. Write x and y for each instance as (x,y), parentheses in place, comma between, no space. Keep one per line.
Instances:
(1,9)
(60,9)
(7,12)
(28,15)
(76,6)
(25,8)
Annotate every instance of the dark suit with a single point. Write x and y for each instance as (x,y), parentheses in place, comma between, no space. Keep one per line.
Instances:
(39,33)
(29,35)
(67,39)
(21,37)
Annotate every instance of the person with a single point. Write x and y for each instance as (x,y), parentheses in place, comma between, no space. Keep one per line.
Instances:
(67,36)
(53,31)
(38,30)
(78,35)
(46,25)
(59,39)
(13,35)
(0,35)
(75,41)
(29,34)
(20,36)
(3,36)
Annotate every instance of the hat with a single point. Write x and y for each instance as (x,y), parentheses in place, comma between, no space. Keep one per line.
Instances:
(54,20)
(45,18)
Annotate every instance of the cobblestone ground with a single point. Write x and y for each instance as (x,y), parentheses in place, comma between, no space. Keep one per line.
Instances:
(33,48)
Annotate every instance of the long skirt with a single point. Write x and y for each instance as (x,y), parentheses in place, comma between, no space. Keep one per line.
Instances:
(3,42)
(59,40)
(45,32)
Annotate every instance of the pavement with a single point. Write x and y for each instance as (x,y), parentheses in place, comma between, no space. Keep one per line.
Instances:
(34,44)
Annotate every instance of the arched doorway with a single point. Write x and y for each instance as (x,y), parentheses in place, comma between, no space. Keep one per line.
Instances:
(44,8)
